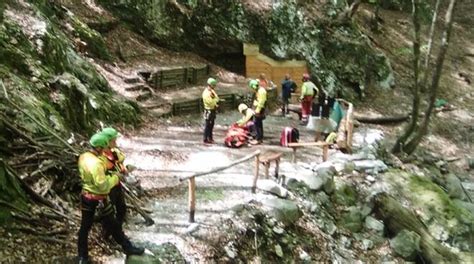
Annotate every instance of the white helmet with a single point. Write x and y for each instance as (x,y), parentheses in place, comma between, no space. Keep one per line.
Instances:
(242,107)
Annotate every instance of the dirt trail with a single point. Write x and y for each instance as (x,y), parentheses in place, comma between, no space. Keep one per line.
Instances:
(164,152)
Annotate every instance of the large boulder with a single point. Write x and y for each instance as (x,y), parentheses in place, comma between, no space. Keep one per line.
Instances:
(283,210)
(406,244)
(374,224)
(272,187)
(352,220)
(454,187)
(370,166)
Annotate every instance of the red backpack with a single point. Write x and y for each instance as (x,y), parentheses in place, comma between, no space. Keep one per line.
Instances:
(236,137)
(289,135)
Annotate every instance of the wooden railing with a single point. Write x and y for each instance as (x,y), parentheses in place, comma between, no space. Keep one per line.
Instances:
(264,159)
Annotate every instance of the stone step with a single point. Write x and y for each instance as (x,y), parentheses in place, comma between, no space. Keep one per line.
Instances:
(133,80)
(134,88)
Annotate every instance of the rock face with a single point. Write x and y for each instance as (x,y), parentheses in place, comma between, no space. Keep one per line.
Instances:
(406,244)
(283,210)
(205,27)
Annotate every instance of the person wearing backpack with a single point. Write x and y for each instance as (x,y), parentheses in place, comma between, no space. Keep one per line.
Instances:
(287,87)
(308,92)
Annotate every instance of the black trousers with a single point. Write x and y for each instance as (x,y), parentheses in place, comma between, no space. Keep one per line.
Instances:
(117,198)
(258,120)
(106,212)
(209,118)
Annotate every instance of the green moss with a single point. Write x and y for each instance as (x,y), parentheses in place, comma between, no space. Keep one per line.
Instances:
(213,194)
(431,193)
(95,43)
(345,195)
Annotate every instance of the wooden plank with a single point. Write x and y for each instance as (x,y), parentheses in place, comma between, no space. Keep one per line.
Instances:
(255,177)
(308,144)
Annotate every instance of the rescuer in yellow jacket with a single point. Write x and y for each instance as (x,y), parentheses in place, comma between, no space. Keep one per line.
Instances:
(308,92)
(114,159)
(259,105)
(210,101)
(96,186)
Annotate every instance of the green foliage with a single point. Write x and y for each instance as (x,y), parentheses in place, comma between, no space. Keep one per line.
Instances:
(95,43)
(10,192)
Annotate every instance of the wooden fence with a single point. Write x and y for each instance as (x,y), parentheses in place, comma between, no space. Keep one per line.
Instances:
(264,159)
(228,102)
(164,79)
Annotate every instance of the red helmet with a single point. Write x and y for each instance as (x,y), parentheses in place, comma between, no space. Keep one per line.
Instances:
(305,76)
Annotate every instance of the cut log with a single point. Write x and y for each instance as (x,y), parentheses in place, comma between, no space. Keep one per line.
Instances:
(381,119)
(396,217)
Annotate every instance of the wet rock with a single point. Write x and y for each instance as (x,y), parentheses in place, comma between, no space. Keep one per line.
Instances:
(283,210)
(454,187)
(164,253)
(272,187)
(406,244)
(374,224)
(230,252)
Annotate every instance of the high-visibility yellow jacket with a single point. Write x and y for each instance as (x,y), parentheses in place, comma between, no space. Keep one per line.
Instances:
(92,170)
(114,160)
(249,113)
(260,100)
(308,88)
(210,99)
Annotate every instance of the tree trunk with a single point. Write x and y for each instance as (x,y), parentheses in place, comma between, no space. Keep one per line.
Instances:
(424,83)
(400,143)
(396,218)
(411,145)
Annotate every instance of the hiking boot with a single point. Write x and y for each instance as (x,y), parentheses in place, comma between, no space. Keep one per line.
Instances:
(255,142)
(130,249)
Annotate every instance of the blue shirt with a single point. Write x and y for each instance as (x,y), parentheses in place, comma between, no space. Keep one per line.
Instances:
(287,86)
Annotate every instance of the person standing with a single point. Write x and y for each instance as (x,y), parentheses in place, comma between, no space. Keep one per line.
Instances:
(308,92)
(94,197)
(287,87)
(114,163)
(262,81)
(259,105)
(210,101)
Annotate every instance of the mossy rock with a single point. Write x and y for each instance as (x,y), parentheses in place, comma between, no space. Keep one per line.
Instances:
(345,195)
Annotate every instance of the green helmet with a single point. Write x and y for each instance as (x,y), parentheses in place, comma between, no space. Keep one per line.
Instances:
(99,140)
(110,132)
(253,84)
(212,82)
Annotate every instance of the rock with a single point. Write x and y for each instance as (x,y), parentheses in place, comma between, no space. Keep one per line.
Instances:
(465,205)
(370,166)
(454,187)
(374,224)
(318,182)
(367,244)
(329,227)
(272,187)
(278,251)
(370,178)
(406,244)
(191,228)
(164,253)
(283,210)
(470,163)
(346,242)
(278,230)
(345,195)
(352,220)
(229,252)
(349,167)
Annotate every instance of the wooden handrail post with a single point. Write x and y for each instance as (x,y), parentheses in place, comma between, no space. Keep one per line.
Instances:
(277,167)
(294,155)
(325,152)
(255,178)
(192,198)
